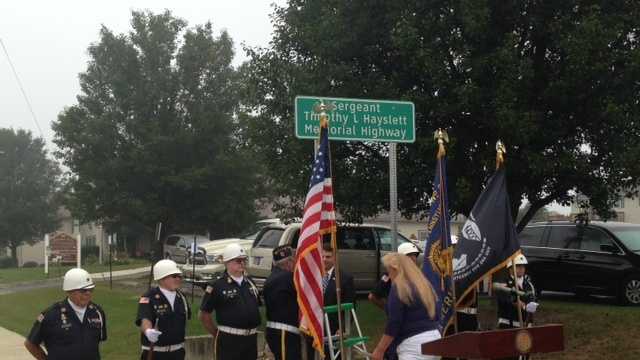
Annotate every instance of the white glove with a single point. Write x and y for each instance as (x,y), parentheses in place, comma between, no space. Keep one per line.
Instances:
(532,307)
(152,334)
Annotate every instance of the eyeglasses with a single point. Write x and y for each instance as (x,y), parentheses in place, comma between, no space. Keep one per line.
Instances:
(176,276)
(85,291)
(239,260)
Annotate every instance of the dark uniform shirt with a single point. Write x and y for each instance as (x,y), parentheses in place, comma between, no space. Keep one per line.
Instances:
(155,307)
(65,337)
(235,305)
(507,308)
(383,287)
(280,297)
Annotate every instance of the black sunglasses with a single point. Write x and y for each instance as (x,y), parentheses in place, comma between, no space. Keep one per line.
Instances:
(84,291)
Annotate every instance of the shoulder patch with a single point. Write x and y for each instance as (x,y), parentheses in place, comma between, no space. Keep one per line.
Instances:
(144,300)
(40,318)
(209,289)
(385,278)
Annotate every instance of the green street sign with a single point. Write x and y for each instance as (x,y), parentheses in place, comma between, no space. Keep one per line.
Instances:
(357,119)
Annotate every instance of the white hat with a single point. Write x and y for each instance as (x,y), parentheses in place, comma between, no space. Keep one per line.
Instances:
(76,279)
(520,260)
(407,248)
(233,251)
(164,268)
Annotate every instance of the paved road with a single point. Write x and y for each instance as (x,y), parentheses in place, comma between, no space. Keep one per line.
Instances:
(11,347)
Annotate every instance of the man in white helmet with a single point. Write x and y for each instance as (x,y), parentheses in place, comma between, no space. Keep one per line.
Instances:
(73,328)
(163,312)
(234,298)
(517,294)
(380,293)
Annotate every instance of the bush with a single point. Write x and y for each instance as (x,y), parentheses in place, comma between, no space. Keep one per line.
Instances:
(30,264)
(7,262)
(90,259)
(88,251)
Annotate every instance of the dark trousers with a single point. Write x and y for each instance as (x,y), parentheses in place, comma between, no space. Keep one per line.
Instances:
(286,345)
(173,355)
(236,347)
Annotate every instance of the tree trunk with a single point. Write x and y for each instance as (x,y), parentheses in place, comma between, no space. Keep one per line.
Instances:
(14,252)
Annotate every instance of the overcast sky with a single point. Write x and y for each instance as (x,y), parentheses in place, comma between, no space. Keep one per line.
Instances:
(47,43)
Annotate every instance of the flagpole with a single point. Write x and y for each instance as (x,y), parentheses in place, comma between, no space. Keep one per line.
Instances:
(324,121)
(443,137)
(500,151)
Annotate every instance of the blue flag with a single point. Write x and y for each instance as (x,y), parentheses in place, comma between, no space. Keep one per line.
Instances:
(437,266)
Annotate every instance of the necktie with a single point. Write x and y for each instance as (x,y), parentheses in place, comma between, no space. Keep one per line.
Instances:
(325,282)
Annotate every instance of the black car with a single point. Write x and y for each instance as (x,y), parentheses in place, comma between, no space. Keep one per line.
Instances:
(600,258)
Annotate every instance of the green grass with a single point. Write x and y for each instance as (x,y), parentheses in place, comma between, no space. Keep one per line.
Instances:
(14,275)
(593,329)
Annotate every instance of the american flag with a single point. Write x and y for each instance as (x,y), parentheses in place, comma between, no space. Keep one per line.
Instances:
(319,218)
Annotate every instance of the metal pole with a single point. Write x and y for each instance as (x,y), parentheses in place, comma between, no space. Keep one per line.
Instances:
(110,262)
(194,248)
(393,195)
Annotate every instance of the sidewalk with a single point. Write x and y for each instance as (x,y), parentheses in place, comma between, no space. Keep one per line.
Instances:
(54,282)
(11,346)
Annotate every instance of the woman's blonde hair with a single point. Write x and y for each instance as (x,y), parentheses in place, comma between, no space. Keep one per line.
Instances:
(409,277)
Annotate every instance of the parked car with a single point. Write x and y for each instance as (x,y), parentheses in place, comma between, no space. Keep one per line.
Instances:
(592,258)
(176,246)
(360,249)
(207,260)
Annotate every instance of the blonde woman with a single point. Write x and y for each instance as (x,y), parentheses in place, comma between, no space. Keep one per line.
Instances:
(410,309)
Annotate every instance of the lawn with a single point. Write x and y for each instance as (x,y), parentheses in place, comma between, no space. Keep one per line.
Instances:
(15,275)
(593,328)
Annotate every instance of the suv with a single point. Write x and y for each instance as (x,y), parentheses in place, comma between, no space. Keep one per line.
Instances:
(176,247)
(361,247)
(593,258)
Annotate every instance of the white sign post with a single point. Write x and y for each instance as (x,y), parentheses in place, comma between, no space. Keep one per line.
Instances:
(78,251)
(46,254)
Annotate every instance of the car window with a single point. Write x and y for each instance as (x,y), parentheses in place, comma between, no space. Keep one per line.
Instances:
(270,238)
(180,243)
(531,236)
(385,239)
(356,238)
(630,236)
(294,239)
(593,238)
(172,240)
(563,237)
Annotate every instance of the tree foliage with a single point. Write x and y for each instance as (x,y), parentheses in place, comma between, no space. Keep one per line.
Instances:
(153,137)
(29,182)
(556,81)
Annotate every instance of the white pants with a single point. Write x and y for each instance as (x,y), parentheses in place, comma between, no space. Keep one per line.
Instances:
(411,348)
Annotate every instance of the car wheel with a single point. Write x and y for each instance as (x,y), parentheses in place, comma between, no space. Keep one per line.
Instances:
(630,291)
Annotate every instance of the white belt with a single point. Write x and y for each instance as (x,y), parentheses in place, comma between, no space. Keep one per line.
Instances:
(168,348)
(283,326)
(236,331)
(470,311)
(508,322)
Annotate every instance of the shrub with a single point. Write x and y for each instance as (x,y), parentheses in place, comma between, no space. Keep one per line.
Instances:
(7,262)
(90,259)
(30,264)
(90,250)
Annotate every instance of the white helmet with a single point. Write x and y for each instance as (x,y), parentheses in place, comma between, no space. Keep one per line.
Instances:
(407,248)
(233,251)
(164,268)
(520,260)
(76,279)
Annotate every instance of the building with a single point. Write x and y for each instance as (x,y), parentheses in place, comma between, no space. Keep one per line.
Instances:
(627,209)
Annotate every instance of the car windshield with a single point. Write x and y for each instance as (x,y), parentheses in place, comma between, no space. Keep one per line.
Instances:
(630,236)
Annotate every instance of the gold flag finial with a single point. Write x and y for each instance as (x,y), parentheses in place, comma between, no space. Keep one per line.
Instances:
(322,108)
(500,151)
(442,137)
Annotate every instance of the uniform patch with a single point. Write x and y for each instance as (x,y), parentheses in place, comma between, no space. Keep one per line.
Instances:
(40,318)
(144,300)
(385,278)
(209,289)
(157,296)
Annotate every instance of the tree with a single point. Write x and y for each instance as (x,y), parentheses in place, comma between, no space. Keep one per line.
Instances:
(556,81)
(153,137)
(29,182)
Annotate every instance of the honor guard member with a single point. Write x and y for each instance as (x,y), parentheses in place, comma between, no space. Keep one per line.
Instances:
(234,297)
(163,312)
(516,295)
(380,293)
(280,298)
(73,328)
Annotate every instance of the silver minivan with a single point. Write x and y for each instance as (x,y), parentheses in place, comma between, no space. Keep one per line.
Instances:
(177,246)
